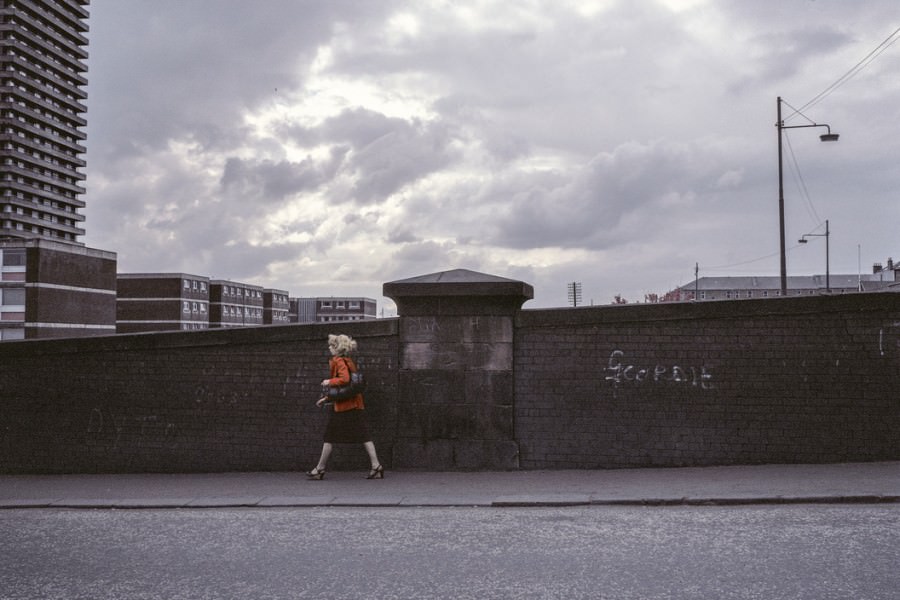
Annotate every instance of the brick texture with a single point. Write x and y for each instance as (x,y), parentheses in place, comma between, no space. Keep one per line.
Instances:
(803,380)
(230,400)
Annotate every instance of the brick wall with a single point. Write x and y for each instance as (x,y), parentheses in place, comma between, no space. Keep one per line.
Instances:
(223,400)
(803,380)
(731,382)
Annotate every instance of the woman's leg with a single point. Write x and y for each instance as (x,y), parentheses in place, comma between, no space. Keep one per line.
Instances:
(373,456)
(323,459)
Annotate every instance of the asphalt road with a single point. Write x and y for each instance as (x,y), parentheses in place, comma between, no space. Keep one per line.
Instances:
(800,551)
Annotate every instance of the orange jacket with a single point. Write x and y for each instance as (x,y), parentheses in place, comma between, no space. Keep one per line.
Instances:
(340,367)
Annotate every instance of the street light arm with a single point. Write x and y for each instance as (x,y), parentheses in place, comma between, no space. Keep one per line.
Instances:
(783,126)
(825,137)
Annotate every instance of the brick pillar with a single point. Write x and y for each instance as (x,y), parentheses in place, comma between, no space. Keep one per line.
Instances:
(455,400)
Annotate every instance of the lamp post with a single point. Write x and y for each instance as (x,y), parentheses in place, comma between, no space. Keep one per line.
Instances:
(826,235)
(825,137)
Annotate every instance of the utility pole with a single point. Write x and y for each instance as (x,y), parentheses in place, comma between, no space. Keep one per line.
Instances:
(696,281)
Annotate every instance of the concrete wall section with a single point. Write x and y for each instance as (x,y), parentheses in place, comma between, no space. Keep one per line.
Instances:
(456,404)
(455,409)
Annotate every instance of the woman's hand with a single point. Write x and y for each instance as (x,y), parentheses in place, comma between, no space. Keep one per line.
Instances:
(326,382)
(321,401)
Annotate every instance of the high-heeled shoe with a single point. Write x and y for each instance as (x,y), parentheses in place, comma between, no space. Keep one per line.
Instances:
(376,473)
(316,474)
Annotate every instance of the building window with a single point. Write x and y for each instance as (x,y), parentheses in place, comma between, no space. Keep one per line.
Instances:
(186,307)
(12,334)
(13,296)
(187,284)
(14,257)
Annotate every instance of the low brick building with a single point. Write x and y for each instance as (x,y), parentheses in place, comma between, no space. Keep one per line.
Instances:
(55,289)
(332,309)
(161,302)
(276,307)
(234,304)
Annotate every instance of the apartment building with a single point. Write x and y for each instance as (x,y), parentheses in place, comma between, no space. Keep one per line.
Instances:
(332,309)
(50,284)
(234,304)
(42,54)
(55,289)
(161,302)
(276,307)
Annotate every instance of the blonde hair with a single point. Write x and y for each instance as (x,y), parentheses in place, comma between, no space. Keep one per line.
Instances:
(341,345)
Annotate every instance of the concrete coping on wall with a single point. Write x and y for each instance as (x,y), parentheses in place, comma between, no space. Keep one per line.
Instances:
(458,289)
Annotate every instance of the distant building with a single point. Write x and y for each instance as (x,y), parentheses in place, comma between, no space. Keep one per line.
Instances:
(234,304)
(62,288)
(276,307)
(332,309)
(302,310)
(161,302)
(737,288)
(42,54)
(55,289)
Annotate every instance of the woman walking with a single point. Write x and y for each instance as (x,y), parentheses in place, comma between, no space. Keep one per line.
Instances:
(346,423)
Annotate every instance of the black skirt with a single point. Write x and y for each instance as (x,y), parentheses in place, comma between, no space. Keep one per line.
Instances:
(347,427)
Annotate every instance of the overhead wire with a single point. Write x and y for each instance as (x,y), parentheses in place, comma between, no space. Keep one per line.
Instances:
(810,207)
(853,71)
(889,41)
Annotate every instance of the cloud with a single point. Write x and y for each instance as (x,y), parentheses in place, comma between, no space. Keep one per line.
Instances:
(328,147)
(269,181)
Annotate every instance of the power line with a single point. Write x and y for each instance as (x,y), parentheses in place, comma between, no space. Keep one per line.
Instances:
(740,264)
(752,260)
(809,203)
(862,64)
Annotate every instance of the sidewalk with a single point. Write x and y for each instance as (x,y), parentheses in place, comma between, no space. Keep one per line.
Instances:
(766,484)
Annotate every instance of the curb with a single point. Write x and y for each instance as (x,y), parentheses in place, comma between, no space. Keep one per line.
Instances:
(551,501)
(747,501)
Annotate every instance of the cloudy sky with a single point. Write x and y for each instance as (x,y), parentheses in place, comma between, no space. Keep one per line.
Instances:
(326,147)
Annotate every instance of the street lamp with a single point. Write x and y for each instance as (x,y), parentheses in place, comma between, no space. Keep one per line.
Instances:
(825,137)
(826,235)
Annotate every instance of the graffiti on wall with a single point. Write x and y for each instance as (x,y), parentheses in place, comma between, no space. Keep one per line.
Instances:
(889,340)
(104,422)
(620,372)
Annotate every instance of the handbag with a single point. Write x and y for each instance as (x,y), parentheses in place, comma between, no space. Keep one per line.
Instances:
(356,386)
